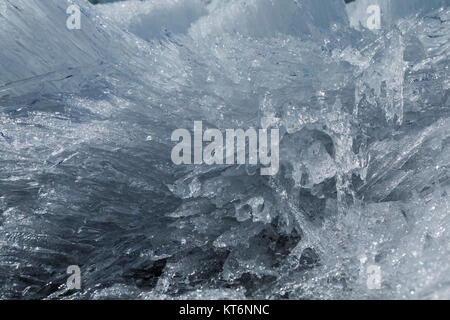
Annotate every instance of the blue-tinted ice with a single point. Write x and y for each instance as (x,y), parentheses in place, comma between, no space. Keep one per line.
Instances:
(86,176)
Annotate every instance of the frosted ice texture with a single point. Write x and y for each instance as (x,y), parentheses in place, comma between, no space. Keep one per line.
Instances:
(86,178)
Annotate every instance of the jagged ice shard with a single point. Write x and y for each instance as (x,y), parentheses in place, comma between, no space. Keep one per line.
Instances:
(358,209)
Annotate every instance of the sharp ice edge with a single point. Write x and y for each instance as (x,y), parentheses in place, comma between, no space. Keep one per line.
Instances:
(364,155)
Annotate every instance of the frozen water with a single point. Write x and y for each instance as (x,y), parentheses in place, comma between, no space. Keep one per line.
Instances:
(85,123)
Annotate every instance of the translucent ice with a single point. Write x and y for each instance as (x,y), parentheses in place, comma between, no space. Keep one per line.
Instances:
(85,123)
